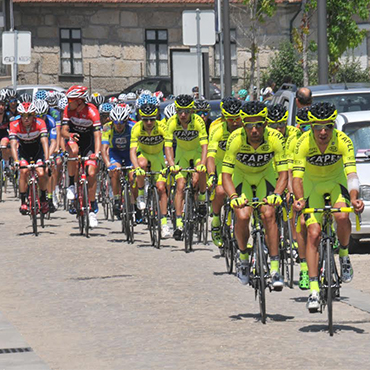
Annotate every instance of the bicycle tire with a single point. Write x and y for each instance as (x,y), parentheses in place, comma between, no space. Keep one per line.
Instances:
(33,208)
(79,207)
(228,243)
(156,218)
(188,225)
(15,183)
(1,179)
(131,212)
(86,208)
(329,281)
(105,196)
(261,278)
(171,207)
(290,264)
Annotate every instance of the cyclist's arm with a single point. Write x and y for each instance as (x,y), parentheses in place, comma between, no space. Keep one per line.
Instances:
(281,183)
(45,146)
(58,139)
(53,146)
(211,165)
(168,150)
(204,154)
(133,157)
(228,184)
(65,131)
(97,140)
(105,154)
(14,148)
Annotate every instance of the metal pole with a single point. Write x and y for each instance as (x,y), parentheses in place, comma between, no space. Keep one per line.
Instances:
(11,15)
(14,65)
(227,48)
(322,41)
(199,54)
(221,45)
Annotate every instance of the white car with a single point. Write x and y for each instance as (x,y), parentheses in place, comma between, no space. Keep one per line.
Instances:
(357,126)
(32,89)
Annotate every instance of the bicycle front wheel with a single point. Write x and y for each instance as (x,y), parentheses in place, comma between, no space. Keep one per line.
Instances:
(33,207)
(261,278)
(155,216)
(228,243)
(189,222)
(329,282)
(86,208)
(1,179)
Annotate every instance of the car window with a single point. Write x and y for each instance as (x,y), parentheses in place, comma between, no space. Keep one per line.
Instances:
(359,133)
(346,102)
(145,85)
(24,91)
(165,87)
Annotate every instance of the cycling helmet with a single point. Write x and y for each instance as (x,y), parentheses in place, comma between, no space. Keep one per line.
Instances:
(243,93)
(230,107)
(171,97)
(40,95)
(97,99)
(62,103)
(277,113)
(322,112)
(139,92)
(159,95)
(170,110)
(301,117)
(11,93)
(77,92)
(105,108)
(52,98)
(146,92)
(42,106)
(25,98)
(254,109)
(122,97)
(113,100)
(148,110)
(119,113)
(3,96)
(131,96)
(202,105)
(26,107)
(184,101)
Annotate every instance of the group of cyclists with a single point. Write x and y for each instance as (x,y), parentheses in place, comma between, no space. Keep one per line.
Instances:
(248,152)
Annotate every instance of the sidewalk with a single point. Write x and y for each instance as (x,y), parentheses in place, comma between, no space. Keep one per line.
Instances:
(15,353)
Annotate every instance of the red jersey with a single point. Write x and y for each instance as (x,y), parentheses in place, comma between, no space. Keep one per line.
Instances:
(30,135)
(84,122)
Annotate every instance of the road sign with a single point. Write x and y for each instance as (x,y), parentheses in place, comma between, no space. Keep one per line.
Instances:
(17,47)
(206,24)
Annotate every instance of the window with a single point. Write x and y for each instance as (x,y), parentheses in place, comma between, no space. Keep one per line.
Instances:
(71,51)
(234,65)
(156,52)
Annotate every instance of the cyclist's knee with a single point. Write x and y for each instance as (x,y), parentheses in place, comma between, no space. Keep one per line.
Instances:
(341,218)
(161,188)
(314,233)
(220,192)
(143,163)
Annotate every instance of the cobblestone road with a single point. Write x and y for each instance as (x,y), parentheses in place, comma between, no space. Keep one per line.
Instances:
(100,304)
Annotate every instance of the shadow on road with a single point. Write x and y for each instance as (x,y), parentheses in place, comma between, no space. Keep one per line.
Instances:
(257,317)
(40,232)
(218,273)
(324,328)
(90,234)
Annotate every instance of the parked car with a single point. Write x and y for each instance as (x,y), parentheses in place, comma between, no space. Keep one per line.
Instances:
(357,126)
(32,89)
(162,84)
(349,97)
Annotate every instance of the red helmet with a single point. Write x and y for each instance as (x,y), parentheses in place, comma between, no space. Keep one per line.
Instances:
(26,108)
(77,92)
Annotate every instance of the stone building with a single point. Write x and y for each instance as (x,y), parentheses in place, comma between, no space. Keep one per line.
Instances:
(108,45)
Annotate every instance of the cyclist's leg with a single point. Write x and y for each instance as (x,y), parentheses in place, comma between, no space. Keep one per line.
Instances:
(6,153)
(23,178)
(217,202)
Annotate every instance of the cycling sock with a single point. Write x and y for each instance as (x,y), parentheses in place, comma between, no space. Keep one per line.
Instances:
(71,180)
(164,220)
(117,197)
(179,221)
(202,197)
(303,264)
(274,263)
(216,220)
(93,205)
(244,255)
(50,195)
(23,197)
(343,251)
(141,192)
(314,284)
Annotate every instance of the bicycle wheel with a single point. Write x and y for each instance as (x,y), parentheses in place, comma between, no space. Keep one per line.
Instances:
(289,249)
(1,179)
(155,219)
(15,182)
(105,196)
(33,207)
(189,222)
(228,243)
(80,210)
(171,206)
(261,283)
(86,208)
(329,282)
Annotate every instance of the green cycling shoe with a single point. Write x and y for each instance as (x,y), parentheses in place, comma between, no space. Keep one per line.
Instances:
(216,236)
(304,280)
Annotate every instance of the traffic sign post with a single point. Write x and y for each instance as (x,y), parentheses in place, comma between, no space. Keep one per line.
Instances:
(198,29)
(16,50)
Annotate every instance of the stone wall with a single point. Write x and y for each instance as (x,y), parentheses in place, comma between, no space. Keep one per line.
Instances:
(113,41)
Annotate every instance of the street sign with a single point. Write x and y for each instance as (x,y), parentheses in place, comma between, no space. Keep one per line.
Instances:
(206,24)
(17,47)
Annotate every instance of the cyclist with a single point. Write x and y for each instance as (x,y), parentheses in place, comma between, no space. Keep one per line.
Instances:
(104,111)
(324,163)
(231,113)
(97,99)
(203,109)
(12,104)
(191,137)
(31,135)
(116,148)
(147,140)
(81,126)
(4,134)
(169,111)
(248,161)
(304,125)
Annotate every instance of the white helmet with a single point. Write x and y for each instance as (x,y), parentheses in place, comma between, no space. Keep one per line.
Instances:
(97,99)
(146,92)
(42,106)
(120,113)
(26,107)
(131,96)
(122,97)
(170,110)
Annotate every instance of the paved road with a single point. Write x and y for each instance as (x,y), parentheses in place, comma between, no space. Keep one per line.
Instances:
(100,304)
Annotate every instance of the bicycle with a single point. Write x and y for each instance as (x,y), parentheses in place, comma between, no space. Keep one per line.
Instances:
(3,175)
(127,208)
(286,240)
(62,182)
(106,195)
(201,224)
(152,209)
(82,196)
(33,195)
(329,279)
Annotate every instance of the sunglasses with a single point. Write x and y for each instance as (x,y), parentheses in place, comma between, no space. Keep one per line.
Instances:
(305,128)
(202,113)
(185,111)
(27,115)
(119,122)
(40,115)
(277,124)
(251,125)
(326,127)
(148,119)
(12,100)
(232,120)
